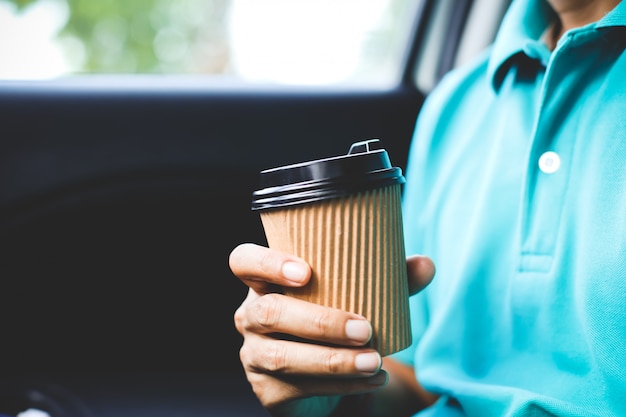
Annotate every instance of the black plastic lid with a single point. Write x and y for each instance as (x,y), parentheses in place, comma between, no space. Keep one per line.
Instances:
(366,166)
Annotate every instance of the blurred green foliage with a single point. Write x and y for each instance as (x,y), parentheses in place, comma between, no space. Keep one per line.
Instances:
(21,3)
(144,36)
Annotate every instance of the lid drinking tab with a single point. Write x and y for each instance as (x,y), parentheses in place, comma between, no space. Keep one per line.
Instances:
(365,146)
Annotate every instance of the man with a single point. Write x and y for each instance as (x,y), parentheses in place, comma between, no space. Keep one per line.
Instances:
(516,189)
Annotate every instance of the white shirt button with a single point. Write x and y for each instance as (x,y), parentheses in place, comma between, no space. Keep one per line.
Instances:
(549,162)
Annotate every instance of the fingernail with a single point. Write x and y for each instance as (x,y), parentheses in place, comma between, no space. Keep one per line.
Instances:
(358,330)
(294,272)
(368,362)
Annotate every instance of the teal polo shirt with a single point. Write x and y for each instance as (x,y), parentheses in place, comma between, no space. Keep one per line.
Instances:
(516,188)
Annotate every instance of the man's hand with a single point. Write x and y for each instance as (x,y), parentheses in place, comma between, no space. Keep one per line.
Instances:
(296,350)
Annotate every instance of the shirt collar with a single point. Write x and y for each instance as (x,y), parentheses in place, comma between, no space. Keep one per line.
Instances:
(525,22)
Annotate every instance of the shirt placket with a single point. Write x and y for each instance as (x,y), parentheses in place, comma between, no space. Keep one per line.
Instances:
(547,174)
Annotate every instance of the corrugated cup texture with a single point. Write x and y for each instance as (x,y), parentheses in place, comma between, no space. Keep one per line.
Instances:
(355,247)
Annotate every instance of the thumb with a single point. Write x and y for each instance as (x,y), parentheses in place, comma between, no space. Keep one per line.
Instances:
(420,270)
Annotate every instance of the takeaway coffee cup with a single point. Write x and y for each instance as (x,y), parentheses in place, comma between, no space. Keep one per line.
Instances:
(342,215)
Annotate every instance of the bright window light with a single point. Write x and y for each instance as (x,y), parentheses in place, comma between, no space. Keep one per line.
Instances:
(314,42)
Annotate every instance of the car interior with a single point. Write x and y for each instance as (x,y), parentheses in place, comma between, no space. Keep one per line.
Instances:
(121,198)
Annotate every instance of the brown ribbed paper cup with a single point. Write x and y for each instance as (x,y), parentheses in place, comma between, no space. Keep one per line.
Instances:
(342,215)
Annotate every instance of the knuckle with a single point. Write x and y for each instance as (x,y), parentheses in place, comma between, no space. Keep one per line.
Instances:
(274,359)
(262,385)
(245,355)
(240,319)
(269,393)
(267,311)
(264,357)
(334,361)
(322,323)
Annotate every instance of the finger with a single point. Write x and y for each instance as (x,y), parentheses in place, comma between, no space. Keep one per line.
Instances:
(262,268)
(276,313)
(421,271)
(288,358)
(276,392)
